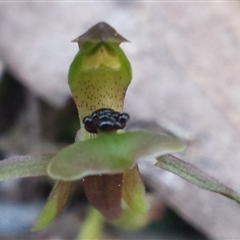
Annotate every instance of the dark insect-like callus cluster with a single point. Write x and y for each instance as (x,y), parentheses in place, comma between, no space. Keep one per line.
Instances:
(105,120)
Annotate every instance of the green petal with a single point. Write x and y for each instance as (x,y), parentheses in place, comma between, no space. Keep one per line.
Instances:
(54,205)
(131,220)
(109,153)
(135,207)
(195,176)
(133,190)
(23,166)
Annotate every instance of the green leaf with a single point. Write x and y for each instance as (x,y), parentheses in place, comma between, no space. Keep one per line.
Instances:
(109,153)
(54,205)
(195,176)
(24,166)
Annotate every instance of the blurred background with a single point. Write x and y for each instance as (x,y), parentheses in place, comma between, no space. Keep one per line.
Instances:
(185,58)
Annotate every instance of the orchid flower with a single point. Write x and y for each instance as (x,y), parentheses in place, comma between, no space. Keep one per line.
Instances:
(105,157)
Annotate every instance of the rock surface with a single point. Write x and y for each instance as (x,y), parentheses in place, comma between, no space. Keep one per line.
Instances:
(185,59)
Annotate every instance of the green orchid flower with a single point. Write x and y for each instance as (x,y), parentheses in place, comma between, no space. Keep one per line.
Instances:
(105,157)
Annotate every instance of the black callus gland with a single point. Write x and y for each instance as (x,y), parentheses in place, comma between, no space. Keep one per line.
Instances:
(105,120)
